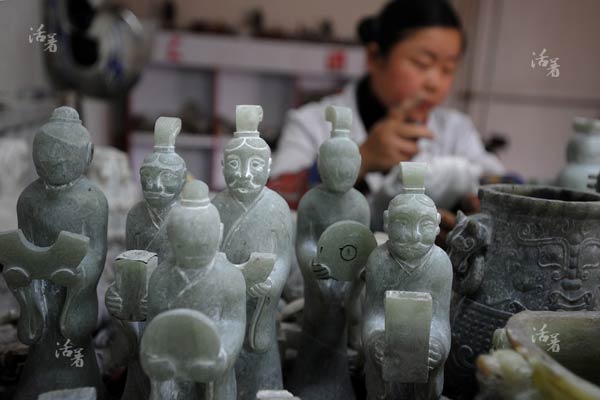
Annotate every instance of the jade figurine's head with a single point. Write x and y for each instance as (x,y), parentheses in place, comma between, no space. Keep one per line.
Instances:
(163,172)
(247,157)
(62,148)
(194,227)
(411,220)
(339,159)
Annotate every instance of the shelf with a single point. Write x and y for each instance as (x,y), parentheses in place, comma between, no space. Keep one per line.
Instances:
(184,49)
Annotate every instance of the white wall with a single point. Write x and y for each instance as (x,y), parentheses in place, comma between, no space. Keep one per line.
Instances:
(506,95)
(21,67)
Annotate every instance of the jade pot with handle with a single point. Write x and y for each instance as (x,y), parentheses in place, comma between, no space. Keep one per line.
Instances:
(530,248)
(543,355)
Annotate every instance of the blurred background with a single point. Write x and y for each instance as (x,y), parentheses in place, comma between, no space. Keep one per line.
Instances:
(130,61)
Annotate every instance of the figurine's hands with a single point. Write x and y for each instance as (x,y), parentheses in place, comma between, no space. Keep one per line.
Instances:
(144,307)
(206,371)
(261,289)
(114,302)
(378,347)
(321,271)
(65,277)
(436,351)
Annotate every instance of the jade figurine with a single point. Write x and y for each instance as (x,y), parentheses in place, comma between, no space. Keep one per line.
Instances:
(406,327)
(321,368)
(255,219)
(199,278)
(162,177)
(52,264)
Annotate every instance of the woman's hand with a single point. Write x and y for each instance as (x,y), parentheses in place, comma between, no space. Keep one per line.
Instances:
(392,140)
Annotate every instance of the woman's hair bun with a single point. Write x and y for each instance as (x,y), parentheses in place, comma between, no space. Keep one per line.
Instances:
(367,30)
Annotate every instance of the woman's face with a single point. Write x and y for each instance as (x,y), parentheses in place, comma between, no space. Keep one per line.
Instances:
(423,64)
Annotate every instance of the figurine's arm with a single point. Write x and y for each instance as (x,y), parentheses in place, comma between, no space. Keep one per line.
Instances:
(440,338)
(232,325)
(373,329)
(80,311)
(281,270)
(130,238)
(306,245)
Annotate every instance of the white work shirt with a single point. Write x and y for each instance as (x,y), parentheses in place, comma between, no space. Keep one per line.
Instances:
(456,143)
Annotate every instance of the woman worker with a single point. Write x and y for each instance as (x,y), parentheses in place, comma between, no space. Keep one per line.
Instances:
(413,48)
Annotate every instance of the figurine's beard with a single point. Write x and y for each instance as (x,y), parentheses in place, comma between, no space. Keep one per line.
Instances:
(158,198)
(244,186)
(156,195)
(245,191)
(409,251)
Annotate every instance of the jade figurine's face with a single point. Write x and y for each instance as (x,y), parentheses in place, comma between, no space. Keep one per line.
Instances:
(412,227)
(339,164)
(57,162)
(162,182)
(246,170)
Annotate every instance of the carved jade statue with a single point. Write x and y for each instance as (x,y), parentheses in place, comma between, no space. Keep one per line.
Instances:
(406,327)
(255,219)
(53,262)
(321,370)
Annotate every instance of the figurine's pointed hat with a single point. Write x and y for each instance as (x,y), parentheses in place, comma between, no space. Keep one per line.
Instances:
(166,130)
(413,177)
(195,194)
(247,118)
(341,120)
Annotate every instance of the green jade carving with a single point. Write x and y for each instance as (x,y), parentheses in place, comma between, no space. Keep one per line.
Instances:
(199,278)
(162,176)
(407,275)
(255,219)
(321,370)
(53,262)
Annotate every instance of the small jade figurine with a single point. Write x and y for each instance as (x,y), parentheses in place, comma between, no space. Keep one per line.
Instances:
(406,327)
(321,369)
(162,176)
(255,219)
(53,263)
(199,278)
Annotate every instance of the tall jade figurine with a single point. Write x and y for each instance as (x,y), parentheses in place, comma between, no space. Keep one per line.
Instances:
(53,262)
(255,219)
(406,326)
(321,369)
(199,278)
(162,176)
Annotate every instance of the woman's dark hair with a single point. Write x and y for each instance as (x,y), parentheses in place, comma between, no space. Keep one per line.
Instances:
(401,18)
